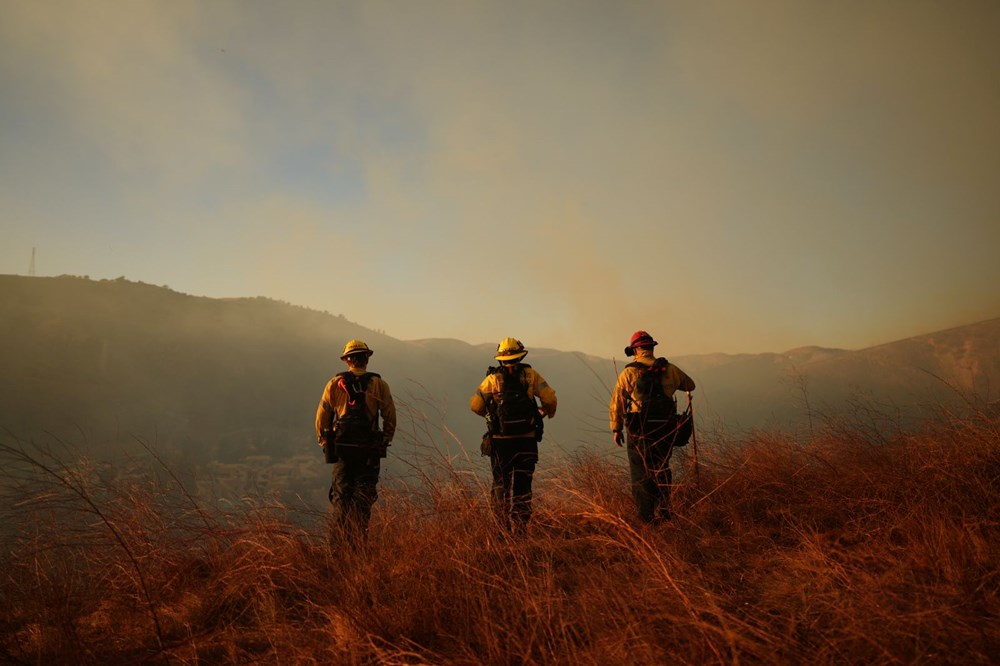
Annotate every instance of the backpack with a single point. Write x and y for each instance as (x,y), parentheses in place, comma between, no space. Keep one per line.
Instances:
(512,412)
(355,428)
(657,419)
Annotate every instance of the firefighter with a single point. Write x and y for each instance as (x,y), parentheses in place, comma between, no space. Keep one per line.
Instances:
(643,405)
(347,426)
(507,398)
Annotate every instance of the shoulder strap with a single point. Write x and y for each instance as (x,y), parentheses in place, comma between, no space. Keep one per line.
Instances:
(364,375)
(659,363)
(356,383)
(518,375)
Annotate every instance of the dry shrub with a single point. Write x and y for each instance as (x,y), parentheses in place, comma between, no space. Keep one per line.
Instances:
(852,547)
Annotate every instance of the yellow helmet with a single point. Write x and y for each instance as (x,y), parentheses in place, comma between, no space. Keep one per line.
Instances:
(510,349)
(355,347)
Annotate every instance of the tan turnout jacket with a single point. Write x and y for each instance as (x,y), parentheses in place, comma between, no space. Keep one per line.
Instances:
(623,397)
(536,387)
(378,401)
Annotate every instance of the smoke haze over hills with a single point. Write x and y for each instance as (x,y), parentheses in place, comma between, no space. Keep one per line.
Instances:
(745,177)
(218,381)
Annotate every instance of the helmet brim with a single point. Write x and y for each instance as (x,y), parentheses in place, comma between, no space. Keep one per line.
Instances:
(511,357)
(360,352)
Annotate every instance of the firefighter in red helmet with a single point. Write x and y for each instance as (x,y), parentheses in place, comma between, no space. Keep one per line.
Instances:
(644,416)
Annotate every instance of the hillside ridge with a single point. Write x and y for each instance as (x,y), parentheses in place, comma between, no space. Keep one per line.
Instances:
(223,380)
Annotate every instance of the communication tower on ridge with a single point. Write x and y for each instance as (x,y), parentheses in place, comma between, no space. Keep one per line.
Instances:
(31,267)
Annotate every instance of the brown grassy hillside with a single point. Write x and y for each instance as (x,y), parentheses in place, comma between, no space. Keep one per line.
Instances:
(866,545)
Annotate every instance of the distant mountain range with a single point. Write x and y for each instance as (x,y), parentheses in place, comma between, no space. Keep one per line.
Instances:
(104,362)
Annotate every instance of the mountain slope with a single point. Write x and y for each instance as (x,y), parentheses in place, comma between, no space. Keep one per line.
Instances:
(223,379)
(219,379)
(752,390)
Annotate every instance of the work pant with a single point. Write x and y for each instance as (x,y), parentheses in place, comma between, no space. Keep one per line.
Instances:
(513,464)
(649,468)
(353,492)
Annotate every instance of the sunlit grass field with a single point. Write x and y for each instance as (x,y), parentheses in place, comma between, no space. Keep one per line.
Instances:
(859,544)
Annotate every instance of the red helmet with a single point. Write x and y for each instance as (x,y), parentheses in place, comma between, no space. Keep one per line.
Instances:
(639,339)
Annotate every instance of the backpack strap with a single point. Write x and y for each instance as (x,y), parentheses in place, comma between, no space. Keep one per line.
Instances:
(512,383)
(497,368)
(658,363)
(518,372)
(659,366)
(364,378)
(346,428)
(355,385)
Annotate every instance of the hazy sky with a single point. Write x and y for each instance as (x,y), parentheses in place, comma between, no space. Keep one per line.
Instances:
(731,176)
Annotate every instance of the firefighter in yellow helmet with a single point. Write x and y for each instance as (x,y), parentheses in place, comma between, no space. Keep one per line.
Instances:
(347,426)
(507,398)
(643,404)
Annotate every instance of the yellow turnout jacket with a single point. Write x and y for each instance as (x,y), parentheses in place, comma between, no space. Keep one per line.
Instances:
(623,397)
(535,385)
(378,400)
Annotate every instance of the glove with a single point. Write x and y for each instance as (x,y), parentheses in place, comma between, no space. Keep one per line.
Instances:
(619,438)
(383,450)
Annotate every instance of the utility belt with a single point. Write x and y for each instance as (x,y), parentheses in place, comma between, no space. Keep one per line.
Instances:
(672,430)
(531,427)
(523,449)
(369,445)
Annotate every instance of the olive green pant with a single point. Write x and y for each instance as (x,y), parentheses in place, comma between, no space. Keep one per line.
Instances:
(353,491)
(649,469)
(512,462)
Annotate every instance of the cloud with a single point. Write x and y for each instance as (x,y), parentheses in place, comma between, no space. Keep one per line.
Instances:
(130,86)
(732,176)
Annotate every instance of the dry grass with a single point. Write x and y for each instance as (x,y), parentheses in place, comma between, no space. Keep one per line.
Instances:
(863,545)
